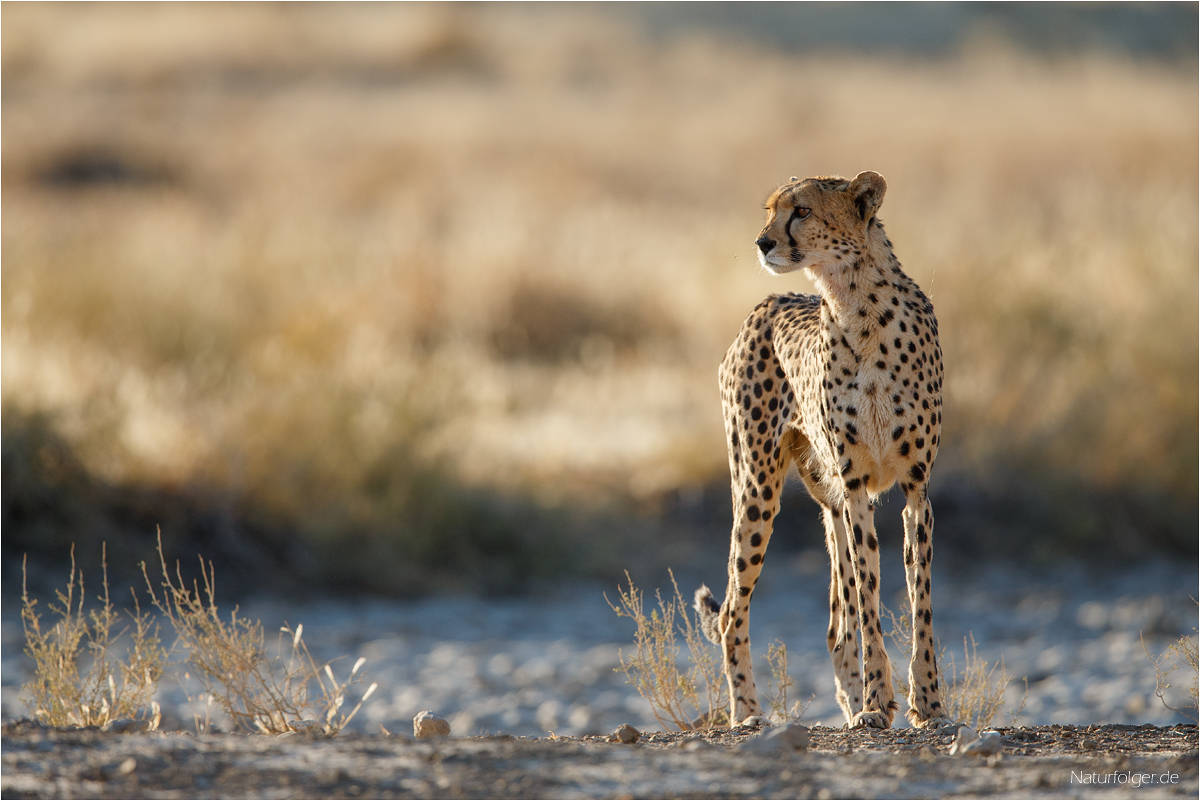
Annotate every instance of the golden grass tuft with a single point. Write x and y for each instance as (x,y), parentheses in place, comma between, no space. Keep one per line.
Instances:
(259,692)
(692,699)
(1183,655)
(972,693)
(63,692)
(778,682)
(78,682)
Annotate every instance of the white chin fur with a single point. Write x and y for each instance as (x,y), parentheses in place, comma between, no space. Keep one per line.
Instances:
(776,265)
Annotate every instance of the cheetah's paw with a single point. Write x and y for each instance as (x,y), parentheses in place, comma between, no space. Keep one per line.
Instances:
(755,720)
(931,723)
(871,720)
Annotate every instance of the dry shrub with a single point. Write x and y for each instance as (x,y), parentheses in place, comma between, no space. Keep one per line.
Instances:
(976,695)
(778,684)
(693,699)
(973,695)
(1180,655)
(61,692)
(258,692)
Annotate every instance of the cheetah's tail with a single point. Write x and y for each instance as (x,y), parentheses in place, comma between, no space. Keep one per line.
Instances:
(710,613)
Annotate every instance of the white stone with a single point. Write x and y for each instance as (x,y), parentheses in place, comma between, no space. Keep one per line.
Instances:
(966,736)
(427,724)
(125,726)
(788,739)
(987,744)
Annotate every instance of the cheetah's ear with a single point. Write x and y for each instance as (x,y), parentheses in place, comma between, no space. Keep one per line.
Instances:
(867,190)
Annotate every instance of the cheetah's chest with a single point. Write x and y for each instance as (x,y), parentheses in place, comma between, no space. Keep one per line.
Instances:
(873,412)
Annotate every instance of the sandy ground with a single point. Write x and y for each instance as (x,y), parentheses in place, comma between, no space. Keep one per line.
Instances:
(546,664)
(1117,761)
(507,673)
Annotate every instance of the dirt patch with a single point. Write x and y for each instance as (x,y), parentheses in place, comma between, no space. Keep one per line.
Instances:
(1041,762)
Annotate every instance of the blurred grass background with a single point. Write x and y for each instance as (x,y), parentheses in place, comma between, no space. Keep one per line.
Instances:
(405,298)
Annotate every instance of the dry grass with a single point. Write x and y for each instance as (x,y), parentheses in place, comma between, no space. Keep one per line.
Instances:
(259,692)
(972,693)
(778,682)
(692,699)
(62,691)
(296,255)
(1182,655)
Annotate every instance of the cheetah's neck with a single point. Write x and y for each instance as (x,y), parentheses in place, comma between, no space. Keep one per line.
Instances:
(858,291)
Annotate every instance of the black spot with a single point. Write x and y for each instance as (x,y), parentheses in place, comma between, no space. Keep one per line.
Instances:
(752,510)
(755,559)
(741,565)
(904,448)
(755,539)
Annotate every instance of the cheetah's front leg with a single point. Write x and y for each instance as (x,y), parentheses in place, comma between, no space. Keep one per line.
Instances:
(843,621)
(926,709)
(879,705)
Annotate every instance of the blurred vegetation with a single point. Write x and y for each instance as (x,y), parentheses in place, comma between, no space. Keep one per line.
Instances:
(399,528)
(389,298)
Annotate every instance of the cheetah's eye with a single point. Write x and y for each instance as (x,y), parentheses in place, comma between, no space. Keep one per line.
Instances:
(799,213)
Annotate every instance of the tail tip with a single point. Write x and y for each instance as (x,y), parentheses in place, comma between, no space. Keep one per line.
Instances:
(705,602)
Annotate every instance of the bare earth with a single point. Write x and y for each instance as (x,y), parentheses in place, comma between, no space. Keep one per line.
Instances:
(1039,762)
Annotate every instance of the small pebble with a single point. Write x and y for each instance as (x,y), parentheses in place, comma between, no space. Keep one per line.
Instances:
(779,740)
(1089,744)
(427,724)
(989,743)
(125,726)
(966,736)
(627,734)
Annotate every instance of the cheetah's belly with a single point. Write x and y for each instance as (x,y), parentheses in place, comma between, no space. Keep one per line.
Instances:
(874,455)
(877,417)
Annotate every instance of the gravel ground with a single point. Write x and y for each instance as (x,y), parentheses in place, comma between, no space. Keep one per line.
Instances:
(1044,762)
(541,665)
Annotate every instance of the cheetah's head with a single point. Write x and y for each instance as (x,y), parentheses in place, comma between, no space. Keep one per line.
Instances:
(819,224)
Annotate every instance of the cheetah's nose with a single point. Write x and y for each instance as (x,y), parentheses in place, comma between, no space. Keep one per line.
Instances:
(765,244)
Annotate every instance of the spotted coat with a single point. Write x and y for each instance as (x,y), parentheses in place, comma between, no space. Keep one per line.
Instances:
(847,385)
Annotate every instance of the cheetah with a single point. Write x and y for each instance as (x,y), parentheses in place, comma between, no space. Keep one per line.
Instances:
(846,384)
